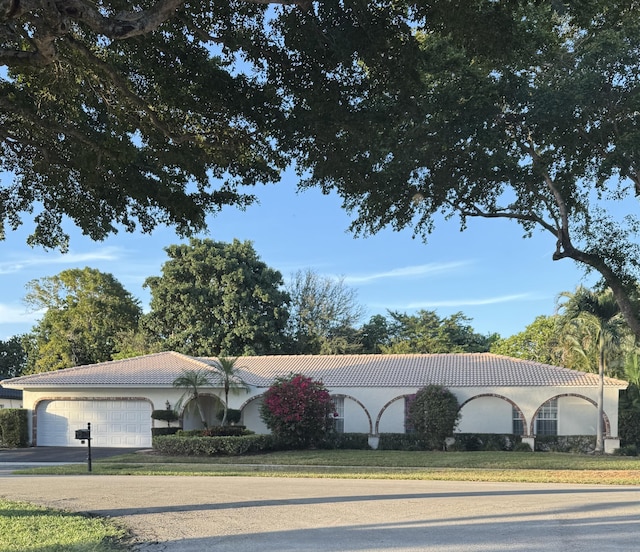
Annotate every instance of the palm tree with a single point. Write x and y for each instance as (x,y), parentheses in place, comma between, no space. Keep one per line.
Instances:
(192,381)
(231,380)
(595,324)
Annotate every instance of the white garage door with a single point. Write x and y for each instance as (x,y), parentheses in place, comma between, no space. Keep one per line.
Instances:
(113,423)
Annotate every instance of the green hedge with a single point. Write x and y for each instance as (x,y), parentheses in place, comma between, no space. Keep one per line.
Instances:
(463,442)
(164,430)
(180,445)
(346,441)
(580,444)
(401,441)
(14,428)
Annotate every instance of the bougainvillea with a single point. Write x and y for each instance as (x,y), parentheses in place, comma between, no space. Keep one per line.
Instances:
(298,410)
(434,414)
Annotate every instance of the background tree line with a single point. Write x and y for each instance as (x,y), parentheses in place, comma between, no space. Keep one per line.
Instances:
(217,299)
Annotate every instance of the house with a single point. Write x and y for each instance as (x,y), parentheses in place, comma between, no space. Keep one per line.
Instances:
(10,398)
(497,394)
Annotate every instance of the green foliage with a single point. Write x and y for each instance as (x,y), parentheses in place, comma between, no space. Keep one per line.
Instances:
(192,381)
(484,442)
(522,447)
(232,380)
(576,444)
(27,527)
(401,441)
(298,411)
(14,428)
(346,441)
(434,413)
(216,299)
(85,310)
(13,358)
(541,341)
(426,332)
(233,415)
(164,431)
(176,445)
(166,415)
(442,117)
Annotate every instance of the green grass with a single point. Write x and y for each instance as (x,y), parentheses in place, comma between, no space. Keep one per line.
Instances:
(28,528)
(452,466)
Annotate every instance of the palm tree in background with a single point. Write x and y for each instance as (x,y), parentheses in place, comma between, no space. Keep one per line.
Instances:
(192,381)
(595,328)
(230,378)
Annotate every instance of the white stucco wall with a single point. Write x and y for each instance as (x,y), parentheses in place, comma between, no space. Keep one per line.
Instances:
(487,412)
(486,415)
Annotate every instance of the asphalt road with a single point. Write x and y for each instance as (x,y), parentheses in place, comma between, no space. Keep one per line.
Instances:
(249,514)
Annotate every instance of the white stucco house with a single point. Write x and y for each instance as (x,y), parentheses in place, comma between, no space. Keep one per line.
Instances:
(497,395)
(10,398)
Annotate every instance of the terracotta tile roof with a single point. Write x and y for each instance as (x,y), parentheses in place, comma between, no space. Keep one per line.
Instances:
(450,370)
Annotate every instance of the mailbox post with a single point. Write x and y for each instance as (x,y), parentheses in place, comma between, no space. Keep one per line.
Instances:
(85,435)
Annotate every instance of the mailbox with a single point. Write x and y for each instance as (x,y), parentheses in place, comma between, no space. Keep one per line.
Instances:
(83,434)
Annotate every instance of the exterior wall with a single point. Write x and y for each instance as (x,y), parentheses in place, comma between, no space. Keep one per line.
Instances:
(576,416)
(375,410)
(486,414)
(6,402)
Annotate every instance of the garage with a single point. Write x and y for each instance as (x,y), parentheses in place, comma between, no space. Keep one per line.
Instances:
(114,423)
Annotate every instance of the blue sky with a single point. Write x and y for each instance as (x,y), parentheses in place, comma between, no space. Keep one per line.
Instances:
(489,272)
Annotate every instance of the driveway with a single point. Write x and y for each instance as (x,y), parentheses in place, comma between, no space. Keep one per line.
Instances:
(249,514)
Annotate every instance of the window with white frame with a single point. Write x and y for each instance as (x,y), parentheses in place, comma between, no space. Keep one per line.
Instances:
(518,422)
(338,403)
(547,418)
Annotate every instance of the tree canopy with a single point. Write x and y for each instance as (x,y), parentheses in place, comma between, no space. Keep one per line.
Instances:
(426,332)
(323,312)
(215,298)
(84,311)
(120,114)
(522,110)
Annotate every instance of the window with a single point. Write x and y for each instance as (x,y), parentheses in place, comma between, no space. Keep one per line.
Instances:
(547,418)
(338,402)
(518,422)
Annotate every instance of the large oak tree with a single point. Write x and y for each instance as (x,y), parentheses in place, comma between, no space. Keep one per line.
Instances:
(117,113)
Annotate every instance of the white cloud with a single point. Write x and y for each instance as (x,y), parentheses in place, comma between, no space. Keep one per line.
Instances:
(13,314)
(471,302)
(415,271)
(17,265)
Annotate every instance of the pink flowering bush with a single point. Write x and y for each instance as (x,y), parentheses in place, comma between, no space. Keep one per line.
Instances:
(298,411)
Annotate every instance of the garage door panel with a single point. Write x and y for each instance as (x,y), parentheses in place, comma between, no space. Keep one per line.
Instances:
(113,423)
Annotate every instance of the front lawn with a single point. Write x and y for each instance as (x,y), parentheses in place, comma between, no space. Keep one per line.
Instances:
(461,466)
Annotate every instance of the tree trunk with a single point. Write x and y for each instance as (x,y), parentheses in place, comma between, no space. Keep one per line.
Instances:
(600,404)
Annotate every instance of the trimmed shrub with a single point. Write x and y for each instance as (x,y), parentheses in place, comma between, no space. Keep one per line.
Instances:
(226,431)
(14,428)
(628,450)
(522,447)
(629,427)
(233,415)
(346,441)
(179,445)
(298,411)
(434,414)
(165,415)
(581,444)
(401,441)
(164,430)
(483,442)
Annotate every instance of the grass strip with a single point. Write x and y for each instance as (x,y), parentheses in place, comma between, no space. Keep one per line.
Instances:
(29,528)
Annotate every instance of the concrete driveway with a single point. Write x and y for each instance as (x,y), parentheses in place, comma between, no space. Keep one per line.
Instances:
(249,514)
